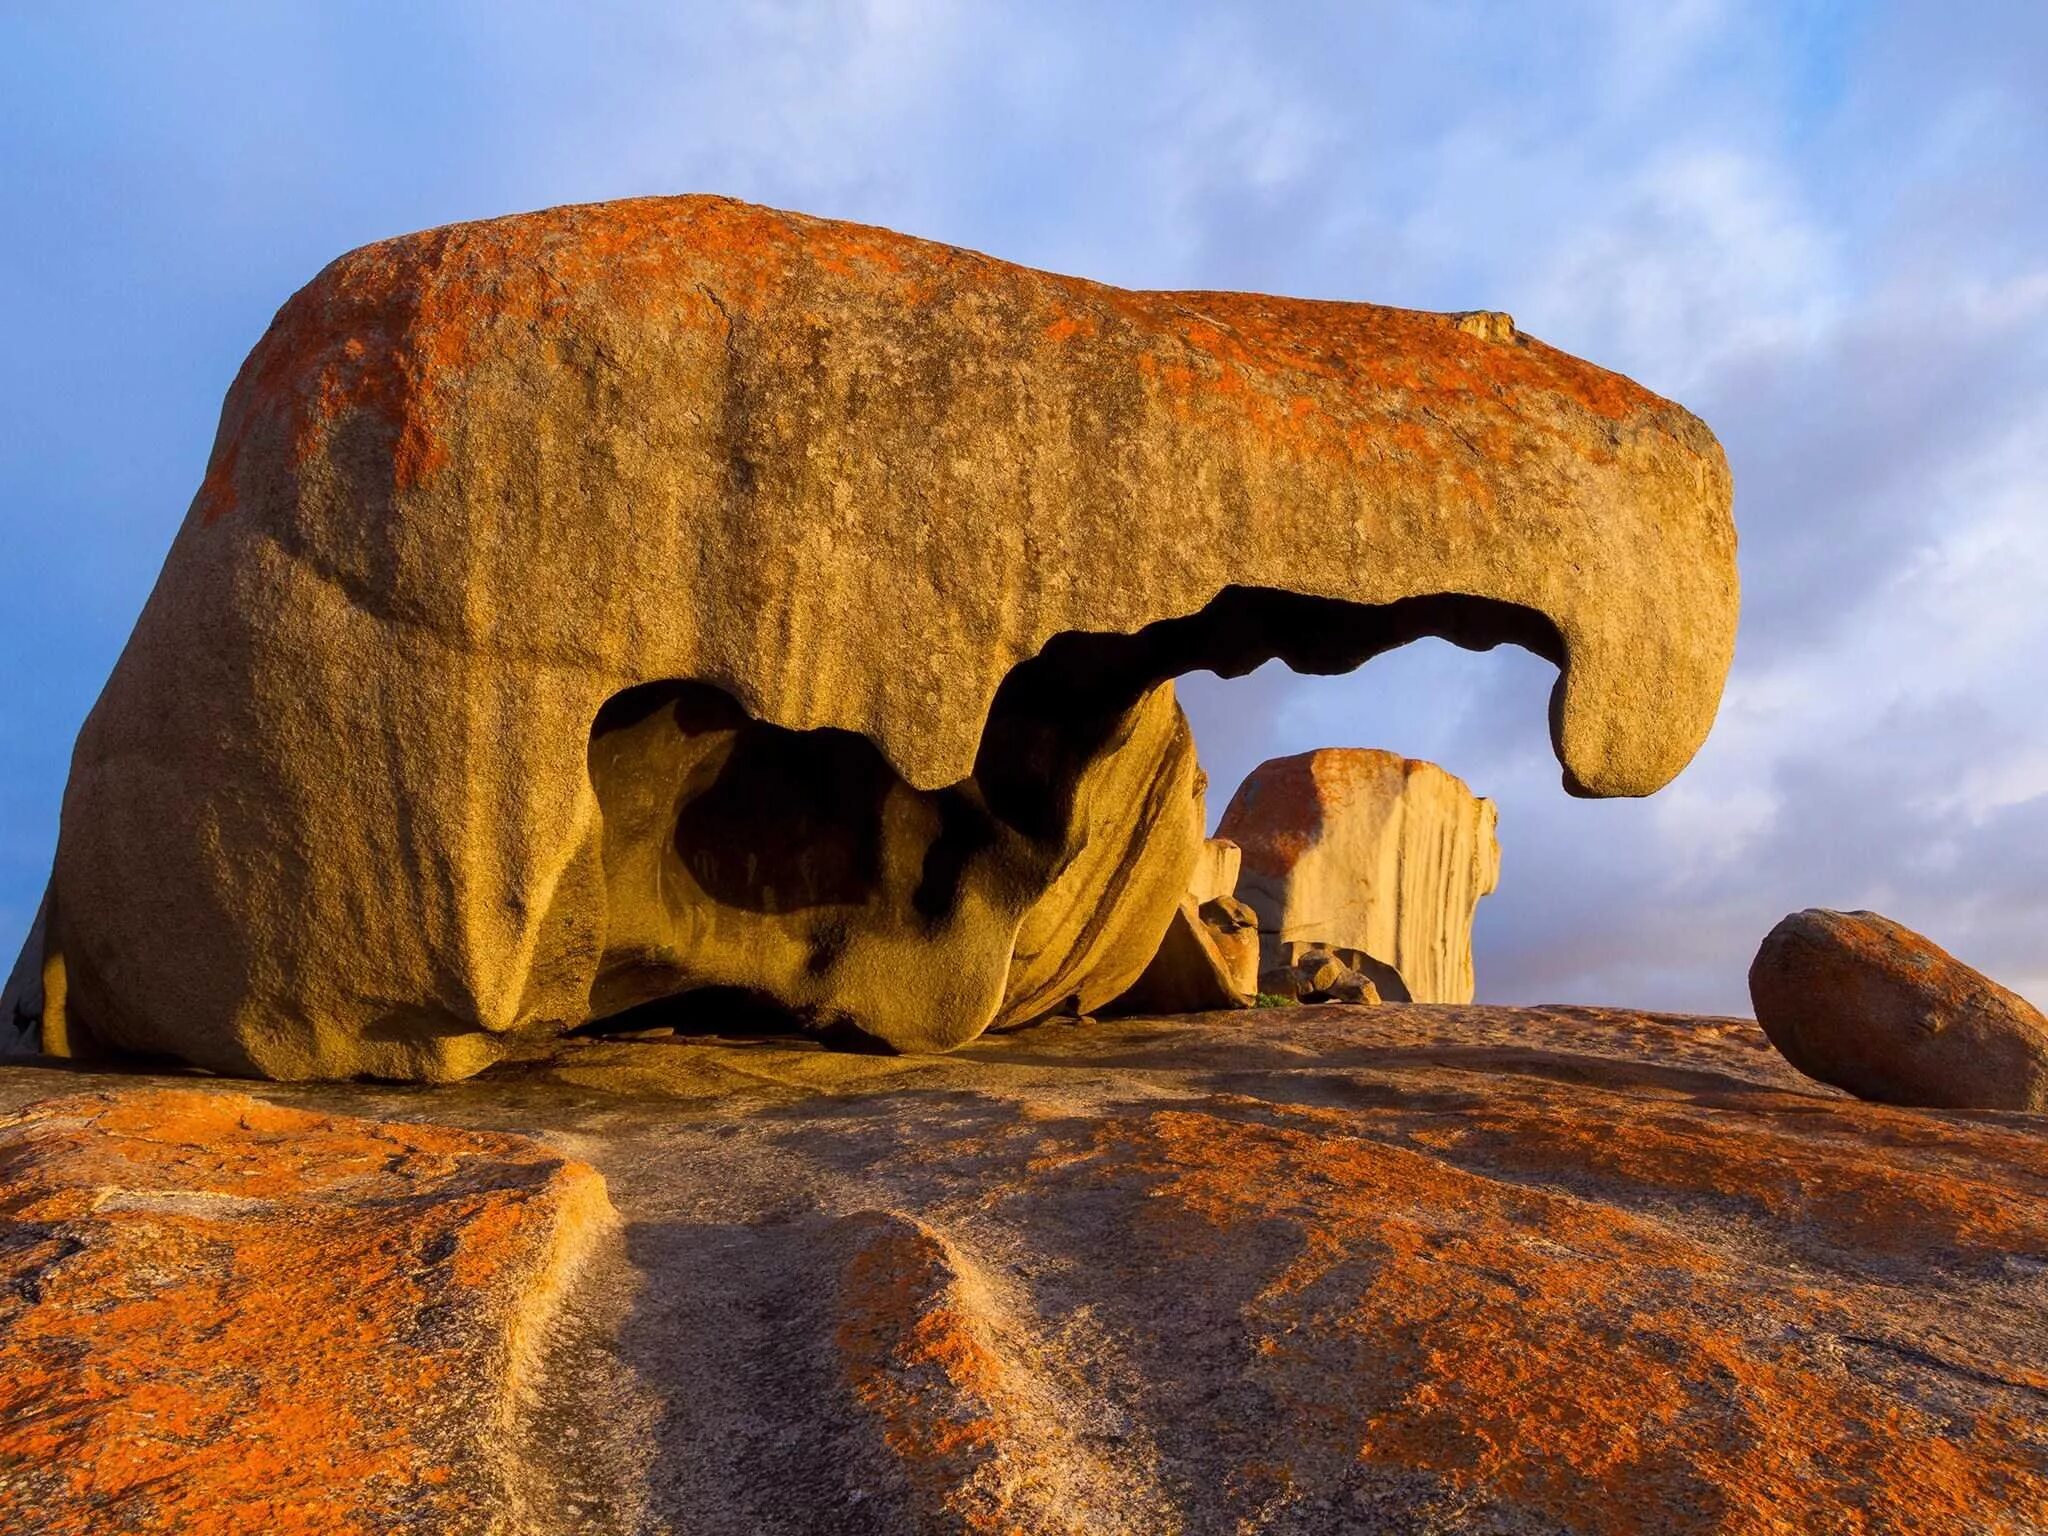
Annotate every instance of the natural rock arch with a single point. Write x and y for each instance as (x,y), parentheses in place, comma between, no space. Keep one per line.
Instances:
(334,812)
(797,867)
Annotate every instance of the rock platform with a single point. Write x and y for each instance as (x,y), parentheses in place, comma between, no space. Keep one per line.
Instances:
(1410,1268)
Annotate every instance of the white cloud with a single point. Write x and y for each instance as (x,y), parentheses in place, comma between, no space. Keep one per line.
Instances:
(1706,255)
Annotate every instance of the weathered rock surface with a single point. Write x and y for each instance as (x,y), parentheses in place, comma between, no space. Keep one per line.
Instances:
(742,857)
(1398,1269)
(1233,928)
(1857,1000)
(1370,854)
(1209,959)
(1216,868)
(221,1315)
(336,811)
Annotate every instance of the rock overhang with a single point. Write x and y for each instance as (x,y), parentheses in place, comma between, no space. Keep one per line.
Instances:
(476,482)
(1455,440)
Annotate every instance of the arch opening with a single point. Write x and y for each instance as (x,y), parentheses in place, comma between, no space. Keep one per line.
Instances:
(792,880)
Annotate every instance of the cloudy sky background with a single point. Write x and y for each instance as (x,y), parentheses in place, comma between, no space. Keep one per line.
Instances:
(1819,225)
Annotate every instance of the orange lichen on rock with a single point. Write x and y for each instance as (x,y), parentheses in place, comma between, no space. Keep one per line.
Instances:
(1857,1000)
(1975,1192)
(334,814)
(1378,1270)
(979,1442)
(917,1358)
(1534,1352)
(220,1315)
(389,329)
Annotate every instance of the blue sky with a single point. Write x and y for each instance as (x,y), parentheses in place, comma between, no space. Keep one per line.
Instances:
(1819,225)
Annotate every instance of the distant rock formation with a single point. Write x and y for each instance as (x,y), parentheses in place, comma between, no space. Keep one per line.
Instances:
(1855,999)
(599,605)
(1378,858)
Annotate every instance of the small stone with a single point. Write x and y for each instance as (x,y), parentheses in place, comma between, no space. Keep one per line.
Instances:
(1280,981)
(1319,971)
(1352,987)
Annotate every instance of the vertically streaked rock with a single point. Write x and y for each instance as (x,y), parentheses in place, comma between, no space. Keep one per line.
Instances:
(1217,863)
(1370,854)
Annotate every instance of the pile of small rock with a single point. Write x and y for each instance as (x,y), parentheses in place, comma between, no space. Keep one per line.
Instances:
(1318,974)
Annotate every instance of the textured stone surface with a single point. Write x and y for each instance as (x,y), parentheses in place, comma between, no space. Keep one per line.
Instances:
(1370,854)
(1133,830)
(1216,867)
(1233,928)
(1308,1270)
(744,857)
(1208,960)
(1859,1001)
(220,1315)
(334,812)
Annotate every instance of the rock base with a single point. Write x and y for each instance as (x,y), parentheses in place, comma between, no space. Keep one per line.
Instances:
(221,1315)
(1396,1269)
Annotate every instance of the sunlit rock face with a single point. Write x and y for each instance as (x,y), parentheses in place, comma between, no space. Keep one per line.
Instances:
(796,869)
(1403,1268)
(1857,1000)
(223,1315)
(1378,857)
(343,806)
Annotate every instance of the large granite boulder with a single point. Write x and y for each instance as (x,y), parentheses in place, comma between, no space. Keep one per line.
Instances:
(1376,856)
(1857,1000)
(725,522)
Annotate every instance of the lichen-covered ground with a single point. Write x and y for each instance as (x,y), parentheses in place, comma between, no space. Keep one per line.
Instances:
(1404,1269)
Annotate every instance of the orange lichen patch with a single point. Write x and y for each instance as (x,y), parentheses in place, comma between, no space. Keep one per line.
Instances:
(1279,812)
(931,1363)
(1974,1192)
(901,1318)
(916,1356)
(1544,1354)
(217,494)
(387,334)
(221,1315)
(388,331)
(1416,351)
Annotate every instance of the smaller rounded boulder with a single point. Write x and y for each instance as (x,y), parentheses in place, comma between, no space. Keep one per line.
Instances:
(1856,1000)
